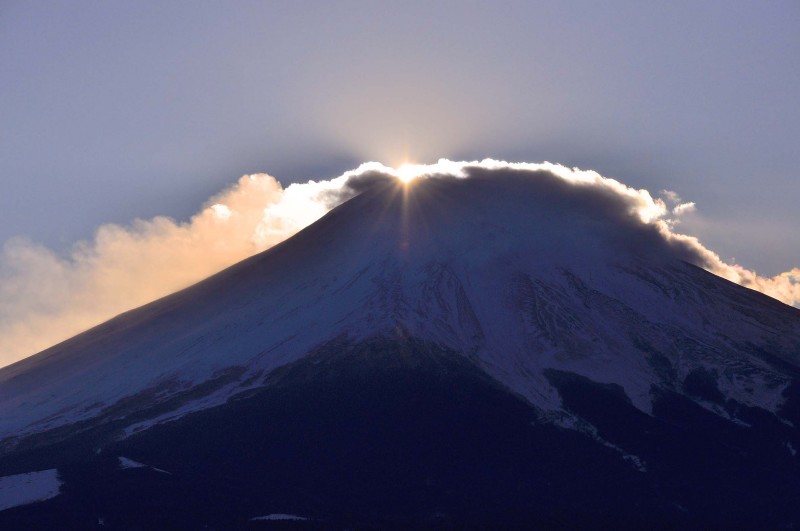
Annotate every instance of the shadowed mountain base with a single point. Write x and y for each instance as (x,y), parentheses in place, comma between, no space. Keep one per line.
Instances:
(404,434)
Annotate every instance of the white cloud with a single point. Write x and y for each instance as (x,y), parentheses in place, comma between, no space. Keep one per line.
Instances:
(45,298)
(677,206)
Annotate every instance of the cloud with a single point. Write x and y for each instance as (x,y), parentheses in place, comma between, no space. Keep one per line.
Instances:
(46,297)
(785,286)
(676,205)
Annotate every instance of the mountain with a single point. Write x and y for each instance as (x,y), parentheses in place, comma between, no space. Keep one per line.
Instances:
(504,350)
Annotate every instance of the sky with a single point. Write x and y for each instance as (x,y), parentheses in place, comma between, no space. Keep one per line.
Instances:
(117,111)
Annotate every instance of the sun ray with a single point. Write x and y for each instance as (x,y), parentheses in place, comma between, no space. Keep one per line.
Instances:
(408,172)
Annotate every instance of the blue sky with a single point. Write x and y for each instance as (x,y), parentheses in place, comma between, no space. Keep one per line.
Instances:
(111,111)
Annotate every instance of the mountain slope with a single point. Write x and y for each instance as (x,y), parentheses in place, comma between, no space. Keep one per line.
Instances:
(607,351)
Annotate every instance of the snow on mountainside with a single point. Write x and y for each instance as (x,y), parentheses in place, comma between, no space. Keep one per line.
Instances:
(23,489)
(517,274)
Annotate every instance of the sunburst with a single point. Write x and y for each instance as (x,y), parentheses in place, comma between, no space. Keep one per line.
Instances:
(407,172)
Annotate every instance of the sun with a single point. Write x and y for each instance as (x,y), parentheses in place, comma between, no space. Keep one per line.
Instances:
(407,172)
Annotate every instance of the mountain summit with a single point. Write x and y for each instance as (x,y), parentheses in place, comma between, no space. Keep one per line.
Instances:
(506,349)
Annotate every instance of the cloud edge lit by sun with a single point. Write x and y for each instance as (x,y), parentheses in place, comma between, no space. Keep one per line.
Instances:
(46,297)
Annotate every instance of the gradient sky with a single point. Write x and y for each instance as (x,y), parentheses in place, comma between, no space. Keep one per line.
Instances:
(115,110)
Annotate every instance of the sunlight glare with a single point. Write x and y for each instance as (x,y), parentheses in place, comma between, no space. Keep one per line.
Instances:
(407,172)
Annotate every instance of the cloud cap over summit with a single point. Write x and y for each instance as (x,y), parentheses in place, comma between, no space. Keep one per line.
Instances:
(47,297)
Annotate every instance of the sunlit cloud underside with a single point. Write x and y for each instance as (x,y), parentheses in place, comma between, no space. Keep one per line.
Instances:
(46,297)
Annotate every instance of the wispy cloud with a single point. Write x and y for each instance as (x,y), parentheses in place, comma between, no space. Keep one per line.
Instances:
(46,297)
